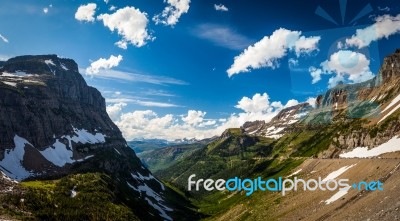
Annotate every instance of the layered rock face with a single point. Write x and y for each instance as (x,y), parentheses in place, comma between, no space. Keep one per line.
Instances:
(46,104)
(52,124)
(343,95)
(279,124)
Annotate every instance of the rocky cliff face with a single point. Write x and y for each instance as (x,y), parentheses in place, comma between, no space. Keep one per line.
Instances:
(375,102)
(376,89)
(52,124)
(279,124)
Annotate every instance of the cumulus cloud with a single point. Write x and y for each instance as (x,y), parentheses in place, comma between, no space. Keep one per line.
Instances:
(257,104)
(171,14)
(311,101)
(4,39)
(344,65)
(104,64)
(383,27)
(194,117)
(130,23)
(86,12)
(221,7)
(270,49)
(291,103)
(115,110)
(315,74)
(194,123)
(223,36)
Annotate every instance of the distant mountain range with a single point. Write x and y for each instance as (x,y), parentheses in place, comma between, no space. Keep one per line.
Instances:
(74,164)
(353,133)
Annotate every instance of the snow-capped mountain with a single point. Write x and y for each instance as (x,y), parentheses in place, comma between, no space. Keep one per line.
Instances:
(53,124)
(278,125)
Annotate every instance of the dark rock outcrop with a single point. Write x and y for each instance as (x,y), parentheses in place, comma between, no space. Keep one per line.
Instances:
(53,124)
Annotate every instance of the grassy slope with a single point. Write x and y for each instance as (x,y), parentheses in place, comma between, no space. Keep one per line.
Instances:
(266,158)
(52,200)
(165,157)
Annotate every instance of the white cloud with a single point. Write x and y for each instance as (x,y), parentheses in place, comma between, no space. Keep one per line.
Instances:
(112,8)
(155,104)
(106,1)
(345,65)
(114,110)
(384,26)
(221,7)
(258,103)
(4,39)
(270,49)
(104,64)
(46,9)
(315,74)
(131,24)
(222,36)
(291,103)
(134,77)
(86,12)
(117,98)
(306,45)
(293,62)
(148,124)
(194,117)
(386,9)
(171,14)
(312,101)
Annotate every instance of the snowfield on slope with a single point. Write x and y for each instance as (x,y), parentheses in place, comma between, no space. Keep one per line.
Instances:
(392,145)
(58,153)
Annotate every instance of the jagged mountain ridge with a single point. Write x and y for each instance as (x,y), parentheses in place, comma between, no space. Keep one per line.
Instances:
(278,125)
(365,123)
(53,124)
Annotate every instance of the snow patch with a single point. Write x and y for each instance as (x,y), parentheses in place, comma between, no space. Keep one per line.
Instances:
(58,154)
(64,67)
(160,207)
(163,214)
(338,195)
(117,151)
(12,161)
(393,102)
(12,84)
(16,74)
(150,177)
(49,62)
(295,172)
(83,136)
(392,145)
(388,114)
(337,173)
(73,192)
(381,96)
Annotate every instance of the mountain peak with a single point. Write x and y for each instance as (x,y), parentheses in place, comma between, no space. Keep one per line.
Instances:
(39,65)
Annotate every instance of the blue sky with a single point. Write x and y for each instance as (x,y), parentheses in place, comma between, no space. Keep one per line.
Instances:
(193,68)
